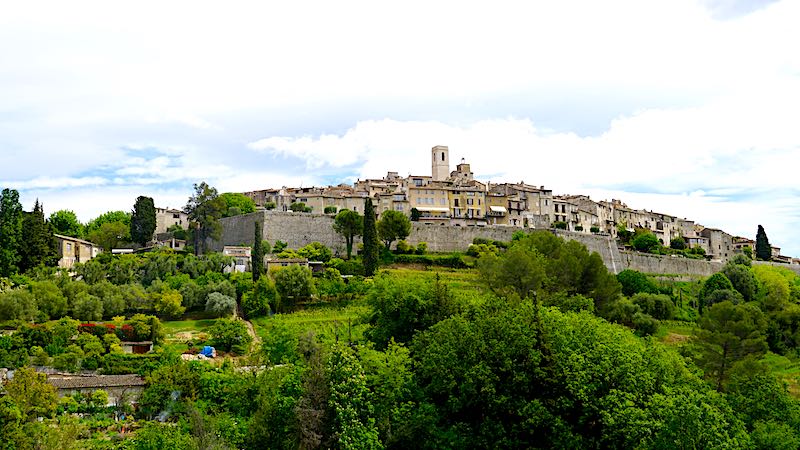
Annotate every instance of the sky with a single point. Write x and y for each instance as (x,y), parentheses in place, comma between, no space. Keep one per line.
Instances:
(686,107)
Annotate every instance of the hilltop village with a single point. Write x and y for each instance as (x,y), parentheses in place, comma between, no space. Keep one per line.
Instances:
(456,198)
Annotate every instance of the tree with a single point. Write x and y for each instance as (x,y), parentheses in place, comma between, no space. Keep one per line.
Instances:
(220,304)
(315,251)
(110,216)
(49,299)
(677,243)
(204,208)
(728,333)
(230,335)
(370,239)
(393,226)
(633,281)
(742,279)
(38,246)
(349,224)
(65,222)
(32,394)
(415,215)
(351,402)
(257,255)
(168,304)
(257,303)
(645,242)
(87,307)
(143,220)
(763,249)
(10,232)
(300,207)
(715,282)
(110,235)
(293,283)
(237,203)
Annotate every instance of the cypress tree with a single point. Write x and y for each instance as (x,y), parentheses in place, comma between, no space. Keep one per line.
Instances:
(763,249)
(143,220)
(370,238)
(257,256)
(38,246)
(10,231)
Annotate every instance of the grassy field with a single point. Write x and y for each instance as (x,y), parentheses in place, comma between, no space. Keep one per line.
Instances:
(327,322)
(178,332)
(785,369)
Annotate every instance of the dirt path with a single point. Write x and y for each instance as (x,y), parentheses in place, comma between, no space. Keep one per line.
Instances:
(255,345)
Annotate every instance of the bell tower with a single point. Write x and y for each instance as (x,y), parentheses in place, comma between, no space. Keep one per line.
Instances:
(440,162)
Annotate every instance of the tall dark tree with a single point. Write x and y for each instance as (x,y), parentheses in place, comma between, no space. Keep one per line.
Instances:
(763,249)
(349,224)
(204,208)
(143,220)
(10,231)
(257,256)
(38,245)
(370,238)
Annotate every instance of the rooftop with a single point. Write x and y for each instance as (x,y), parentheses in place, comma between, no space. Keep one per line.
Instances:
(94,381)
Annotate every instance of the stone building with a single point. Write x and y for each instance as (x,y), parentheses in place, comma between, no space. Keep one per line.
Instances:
(120,388)
(73,250)
(167,217)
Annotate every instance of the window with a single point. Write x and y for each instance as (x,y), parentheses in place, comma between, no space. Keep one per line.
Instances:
(69,247)
(176,216)
(455,203)
(442,156)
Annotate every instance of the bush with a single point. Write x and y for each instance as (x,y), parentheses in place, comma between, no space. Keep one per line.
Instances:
(258,302)
(404,248)
(279,246)
(634,282)
(644,324)
(330,210)
(422,248)
(270,205)
(677,243)
(315,251)
(646,241)
(293,283)
(300,207)
(578,228)
(454,260)
(594,229)
(658,306)
(560,225)
(350,267)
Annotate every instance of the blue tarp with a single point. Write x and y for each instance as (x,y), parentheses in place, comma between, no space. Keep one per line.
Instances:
(207,351)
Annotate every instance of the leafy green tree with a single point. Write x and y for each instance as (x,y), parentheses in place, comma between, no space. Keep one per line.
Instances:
(65,222)
(87,307)
(143,220)
(728,333)
(147,328)
(230,335)
(677,243)
(763,249)
(351,402)
(742,279)
(715,282)
(400,309)
(393,226)
(257,303)
(237,203)
(349,224)
(645,241)
(110,235)
(315,251)
(10,232)
(49,299)
(204,208)
(162,436)
(38,246)
(330,209)
(32,394)
(18,304)
(293,283)
(633,282)
(169,304)
(110,217)
(658,306)
(370,239)
(257,255)
(415,215)
(220,304)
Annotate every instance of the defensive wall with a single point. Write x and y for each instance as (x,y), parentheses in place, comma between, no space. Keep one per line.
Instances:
(300,229)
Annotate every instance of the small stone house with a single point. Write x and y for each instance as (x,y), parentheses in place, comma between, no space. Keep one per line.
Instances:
(73,250)
(127,388)
(137,348)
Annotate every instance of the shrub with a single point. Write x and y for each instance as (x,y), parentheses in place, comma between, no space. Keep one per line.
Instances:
(293,283)
(646,241)
(230,335)
(658,306)
(578,227)
(594,229)
(454,260)
(677,243)
(270,205)
(422,248)
(560,225)
(330,210)
(350,267)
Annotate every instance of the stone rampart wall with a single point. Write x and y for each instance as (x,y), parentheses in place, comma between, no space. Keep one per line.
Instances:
(300,229)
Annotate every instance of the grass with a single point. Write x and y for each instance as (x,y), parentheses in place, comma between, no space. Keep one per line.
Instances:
(178,332)
(326,322)
(786,370)
(675,333)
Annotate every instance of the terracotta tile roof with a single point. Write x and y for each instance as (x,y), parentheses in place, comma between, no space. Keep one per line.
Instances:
(94,381)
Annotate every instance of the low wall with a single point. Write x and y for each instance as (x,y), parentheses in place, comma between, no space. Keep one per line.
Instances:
(660,264)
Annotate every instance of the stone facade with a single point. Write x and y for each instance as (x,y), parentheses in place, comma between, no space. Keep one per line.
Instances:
(73,250)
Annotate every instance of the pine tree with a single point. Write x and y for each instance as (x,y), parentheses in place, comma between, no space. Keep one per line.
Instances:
(10,231)
(257,256)
(763,249)
(38,246)
(204,208)
(370,238)
(143,220)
